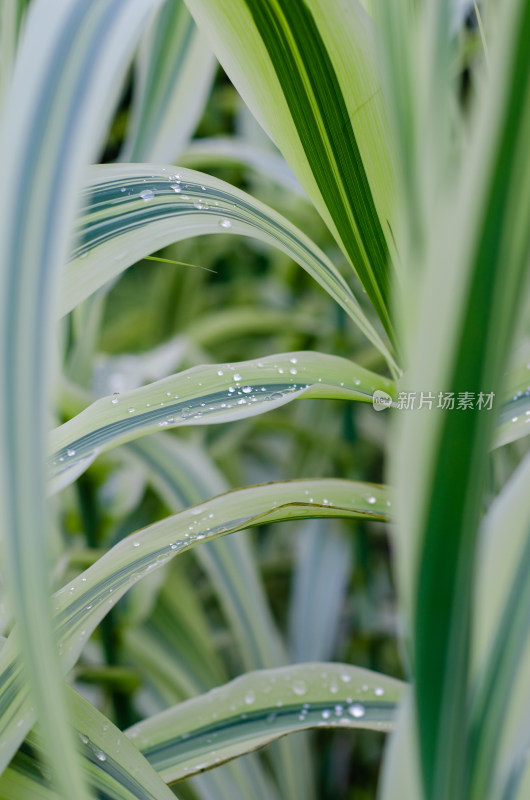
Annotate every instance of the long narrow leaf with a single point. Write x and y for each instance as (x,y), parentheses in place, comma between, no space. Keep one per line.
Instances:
(262,706)
(131,210)
(69,67)
(307,70)
(84,602)
(174,73)
(202,396)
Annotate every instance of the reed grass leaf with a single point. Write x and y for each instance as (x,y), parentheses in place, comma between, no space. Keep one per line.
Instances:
(174,71)
(131,210)
(307,70)
(68,70)
(183,475)
(470,302)
(85,601)
(221,150)
(204,395)
(259,707)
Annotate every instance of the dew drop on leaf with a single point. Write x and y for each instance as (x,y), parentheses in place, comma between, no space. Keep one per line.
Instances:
(357,710)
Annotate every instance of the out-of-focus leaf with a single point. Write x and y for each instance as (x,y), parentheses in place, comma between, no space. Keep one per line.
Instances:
(205,153)
(69,67)
(320,582)
(174,73)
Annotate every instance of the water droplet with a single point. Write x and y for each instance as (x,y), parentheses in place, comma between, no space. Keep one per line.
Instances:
(136,544)
(237,377)
(200,206)
(293,371)
(130,410)
(70,452)
(357,710)
(220,372)
(370,500)
(293,360)
(147,194)
(225,223)
(247,389)
(185,413)
(326,714)
(250,698)
(176,188)
(379,691)
(115,398)
(100,755)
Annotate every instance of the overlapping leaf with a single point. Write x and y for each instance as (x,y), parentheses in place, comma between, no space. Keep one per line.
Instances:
(84,602)
(174,72)
(69,68)
(314,87)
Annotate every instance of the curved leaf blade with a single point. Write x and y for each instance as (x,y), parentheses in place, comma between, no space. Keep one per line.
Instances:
(68,70)
(84,602)
(131,210)
(205,395)
(261,706)
(307,70)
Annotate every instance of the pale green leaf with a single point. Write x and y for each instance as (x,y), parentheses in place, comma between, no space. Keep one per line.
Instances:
(205,153)
(261,706)
(174,72)
(68,71)
(131,210)
(204,395)
(307,70)
(84,602)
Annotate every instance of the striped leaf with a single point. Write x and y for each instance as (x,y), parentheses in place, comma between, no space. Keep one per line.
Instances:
(476,263)
(183,475)
(131,210)
(307,70)
(501,651)
(514,418)
(236,718)
(202,396)
(259,707)
(85,601)
(112,764)
(174,71)
(69,68)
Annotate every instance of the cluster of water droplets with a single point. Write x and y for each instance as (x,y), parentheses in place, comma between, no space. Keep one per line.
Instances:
(187,192)
(237,392)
